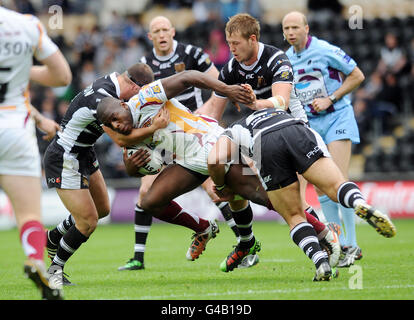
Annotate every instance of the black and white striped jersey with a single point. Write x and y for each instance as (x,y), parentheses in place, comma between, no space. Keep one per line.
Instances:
(272,66)
(80,127)
(248,130)
(183,57)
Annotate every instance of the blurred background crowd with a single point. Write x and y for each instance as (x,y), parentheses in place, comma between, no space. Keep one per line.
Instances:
(101,36)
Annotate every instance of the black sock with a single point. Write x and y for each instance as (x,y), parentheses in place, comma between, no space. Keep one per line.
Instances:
(305,238)
(311,211)
(57,233)
(348,193)
(244,221)
(69,243)
(228,216)
(143,221)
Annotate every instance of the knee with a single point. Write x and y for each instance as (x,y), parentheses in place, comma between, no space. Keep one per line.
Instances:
(87,224)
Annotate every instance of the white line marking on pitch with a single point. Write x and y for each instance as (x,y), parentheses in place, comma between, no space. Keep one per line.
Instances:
(231,293)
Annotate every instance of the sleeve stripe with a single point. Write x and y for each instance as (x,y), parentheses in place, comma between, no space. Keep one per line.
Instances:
(203,58)
(39,42)
(273,57)
(188,49)
(230,65)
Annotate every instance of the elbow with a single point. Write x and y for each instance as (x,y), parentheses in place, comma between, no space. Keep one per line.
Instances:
(65,78)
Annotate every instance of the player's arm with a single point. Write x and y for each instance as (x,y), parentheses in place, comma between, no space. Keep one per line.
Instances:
(138,135)
(48,126)
(351,82)
(218,157)
(213,107)
(177,83)
(279,100)
(337,59)
(55,71)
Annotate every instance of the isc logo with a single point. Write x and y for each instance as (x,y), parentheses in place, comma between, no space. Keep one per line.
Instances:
(340,131)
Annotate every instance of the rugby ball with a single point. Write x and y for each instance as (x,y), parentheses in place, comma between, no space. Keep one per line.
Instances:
(156,162)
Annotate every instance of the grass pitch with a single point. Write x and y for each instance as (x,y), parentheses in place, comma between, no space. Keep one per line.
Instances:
(284,272)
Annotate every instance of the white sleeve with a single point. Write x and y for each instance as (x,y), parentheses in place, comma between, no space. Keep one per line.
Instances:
(146,104)
(44,46)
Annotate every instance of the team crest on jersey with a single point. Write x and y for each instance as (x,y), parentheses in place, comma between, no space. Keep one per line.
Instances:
(261,82)
(156,89)
(179,67)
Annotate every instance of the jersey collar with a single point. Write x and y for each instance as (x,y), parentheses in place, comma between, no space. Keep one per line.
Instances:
(308,43)
(114,79)
(259,55)
(167,57)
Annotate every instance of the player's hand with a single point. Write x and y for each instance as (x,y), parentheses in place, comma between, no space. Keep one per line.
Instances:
(162,119)
(321,104)
(48,126)
(237,93)
(225,194)
(249,88)
(137,160)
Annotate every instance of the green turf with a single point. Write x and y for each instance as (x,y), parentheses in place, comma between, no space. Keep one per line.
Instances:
(284,272)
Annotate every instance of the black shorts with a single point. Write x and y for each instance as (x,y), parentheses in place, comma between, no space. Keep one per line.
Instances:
(287,151)
(67,170)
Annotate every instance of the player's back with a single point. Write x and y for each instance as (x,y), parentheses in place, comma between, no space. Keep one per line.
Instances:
(22,36)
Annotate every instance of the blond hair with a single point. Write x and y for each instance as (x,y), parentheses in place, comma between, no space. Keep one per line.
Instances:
(245,24)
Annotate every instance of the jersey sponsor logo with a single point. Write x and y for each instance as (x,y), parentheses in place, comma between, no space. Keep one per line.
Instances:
(250,76)
(179,67)
(15,48)
(314,151)
(53,180)
(310,86)
(165,65)
(343,55)
(242,73)
(340,131)
(267,179)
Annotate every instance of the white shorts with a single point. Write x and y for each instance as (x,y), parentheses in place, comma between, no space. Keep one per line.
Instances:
(197,161)
(19,152)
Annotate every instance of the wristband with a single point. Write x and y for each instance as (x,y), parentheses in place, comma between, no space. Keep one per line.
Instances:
(278,102)
(219,188)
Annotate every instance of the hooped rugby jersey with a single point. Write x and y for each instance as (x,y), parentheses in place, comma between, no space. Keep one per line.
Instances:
(183,57)
(246,132)
(185,136)
(272,66)
(80,127)
(317,69)
(21,38)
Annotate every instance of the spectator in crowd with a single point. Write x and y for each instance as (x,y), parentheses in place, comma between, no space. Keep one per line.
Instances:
(392,57)
(217,49)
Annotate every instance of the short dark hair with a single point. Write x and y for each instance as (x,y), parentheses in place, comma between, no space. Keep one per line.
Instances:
(140,73)
(105,108)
